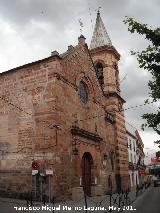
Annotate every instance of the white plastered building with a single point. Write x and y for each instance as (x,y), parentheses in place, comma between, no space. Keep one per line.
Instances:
(132,155)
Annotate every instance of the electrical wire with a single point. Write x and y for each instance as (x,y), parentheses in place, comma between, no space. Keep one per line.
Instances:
(136,106)
(19,108)
(123,78)
(89,118)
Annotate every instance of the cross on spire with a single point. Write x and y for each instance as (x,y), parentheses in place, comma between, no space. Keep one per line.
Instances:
(98,11)
(100,36)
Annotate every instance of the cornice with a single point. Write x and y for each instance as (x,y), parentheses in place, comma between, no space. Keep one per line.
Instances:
(86,134)
(105,48)
(114,94)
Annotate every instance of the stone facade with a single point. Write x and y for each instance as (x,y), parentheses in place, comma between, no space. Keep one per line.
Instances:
(44,120)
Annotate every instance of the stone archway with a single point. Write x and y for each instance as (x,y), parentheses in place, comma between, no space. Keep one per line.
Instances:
(87,165)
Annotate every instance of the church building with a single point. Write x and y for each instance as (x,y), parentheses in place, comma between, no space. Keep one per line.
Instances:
(62,128)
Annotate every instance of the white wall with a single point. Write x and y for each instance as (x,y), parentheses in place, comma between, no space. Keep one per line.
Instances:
(132,157)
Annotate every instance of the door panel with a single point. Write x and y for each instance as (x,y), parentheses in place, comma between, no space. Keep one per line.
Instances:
(86,175)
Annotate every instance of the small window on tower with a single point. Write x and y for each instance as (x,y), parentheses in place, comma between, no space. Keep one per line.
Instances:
(99,72)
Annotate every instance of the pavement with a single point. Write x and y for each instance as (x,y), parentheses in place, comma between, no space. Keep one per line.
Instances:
(148,202)
(98,204)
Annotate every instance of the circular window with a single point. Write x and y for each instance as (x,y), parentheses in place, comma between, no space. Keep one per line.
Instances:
(83,92)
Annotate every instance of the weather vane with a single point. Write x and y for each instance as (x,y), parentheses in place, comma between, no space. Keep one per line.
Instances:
(81,25)
(97,10)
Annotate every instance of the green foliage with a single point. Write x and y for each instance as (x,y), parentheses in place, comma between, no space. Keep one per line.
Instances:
(157,142)
(149,59)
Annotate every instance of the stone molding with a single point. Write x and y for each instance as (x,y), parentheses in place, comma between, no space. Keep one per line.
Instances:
(84,133)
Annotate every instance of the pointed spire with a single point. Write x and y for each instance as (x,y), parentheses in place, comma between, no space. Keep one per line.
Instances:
(100,36)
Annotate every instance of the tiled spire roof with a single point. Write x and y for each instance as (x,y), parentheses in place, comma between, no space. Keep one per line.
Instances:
(100,36)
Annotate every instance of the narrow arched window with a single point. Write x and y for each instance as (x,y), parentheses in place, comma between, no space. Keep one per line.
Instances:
(83,92)
(99,72)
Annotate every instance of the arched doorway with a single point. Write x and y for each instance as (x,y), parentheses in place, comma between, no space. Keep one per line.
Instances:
(87,163)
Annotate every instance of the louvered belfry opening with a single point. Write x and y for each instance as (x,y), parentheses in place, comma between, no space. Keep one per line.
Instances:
(99,72)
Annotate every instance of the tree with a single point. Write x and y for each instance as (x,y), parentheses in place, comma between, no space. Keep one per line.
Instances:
(149,59)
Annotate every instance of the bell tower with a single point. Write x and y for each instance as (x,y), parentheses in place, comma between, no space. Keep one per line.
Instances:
(105,58)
